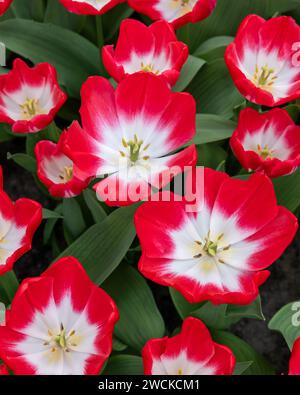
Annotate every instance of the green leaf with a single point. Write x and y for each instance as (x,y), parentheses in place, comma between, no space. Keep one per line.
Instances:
(52,133)
(244,353)
(211,155)
(124,365)
(23,160)
(8,287)
(5,134)
(214,90)
(103,246)
(50,225)
(213,48)
(227,17)
(2,313)
(188,72)
(288,190)
(113,18)
(216,316)
(64,49)
(118,345)
(97,211)
(241,367)
(140,319)
(252,310)
(47,214)
(73,218)
(57,14)
(287,322)
(211,128)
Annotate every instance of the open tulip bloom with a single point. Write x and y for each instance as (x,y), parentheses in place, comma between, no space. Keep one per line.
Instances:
(29,97)
(294,369)
(4,4)
(177,12)
(191,352)
(268,142)
(59,323)
(18,223)
(127,134)
(264,60)
(153,49)
(90,7)
(57,171)
(220,251)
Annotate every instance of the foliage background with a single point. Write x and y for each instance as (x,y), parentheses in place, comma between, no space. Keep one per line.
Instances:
(104,239)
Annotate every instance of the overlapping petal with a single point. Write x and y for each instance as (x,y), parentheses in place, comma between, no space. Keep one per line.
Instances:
(191,352)
(90,7)
(294,368)
(218,250)
(30,97)
(59,323)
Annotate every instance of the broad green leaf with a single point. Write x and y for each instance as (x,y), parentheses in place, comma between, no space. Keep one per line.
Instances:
(57,14)
(252,310)
(64,49)
(287,322)
(188,72)
(213,48)
(288,190)
(227,17)
(214,90)
(212,128)
(112,19)
(52,133)
(140,319)
(124,365)
(244,353)
(23,160)
(211,155)
(118,345)
(103,246)
(2,313)
(294,111)
(98,213)
(216,316)
(49,214)
(33,9)
(8,287)
(50,225)
(241,367)
(73,218)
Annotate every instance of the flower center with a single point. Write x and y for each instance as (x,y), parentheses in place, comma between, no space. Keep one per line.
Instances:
(30,108)
(61,341)
(184,5)
(134,148)
(265,152)
(264,77)
(180,372)
(210,248)
(149,68)
(67,174)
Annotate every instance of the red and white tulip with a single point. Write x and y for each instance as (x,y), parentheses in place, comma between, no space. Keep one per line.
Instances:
(268,142)
(191,352)
(128,134)
(57,171)
(4,5)
(153,49)
(59,324)
(264,60)
(18,223)
(177,12)
(30,97)
(90,7)
(294,368)
(220,250)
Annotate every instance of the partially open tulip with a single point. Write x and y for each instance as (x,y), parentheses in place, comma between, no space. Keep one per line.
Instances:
(59,324)
(191,352)
(154,49)
(268,142)
(29,97)
(294,369)
(264,60)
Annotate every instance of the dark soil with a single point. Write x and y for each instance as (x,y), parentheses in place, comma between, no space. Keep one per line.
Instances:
(282,287)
